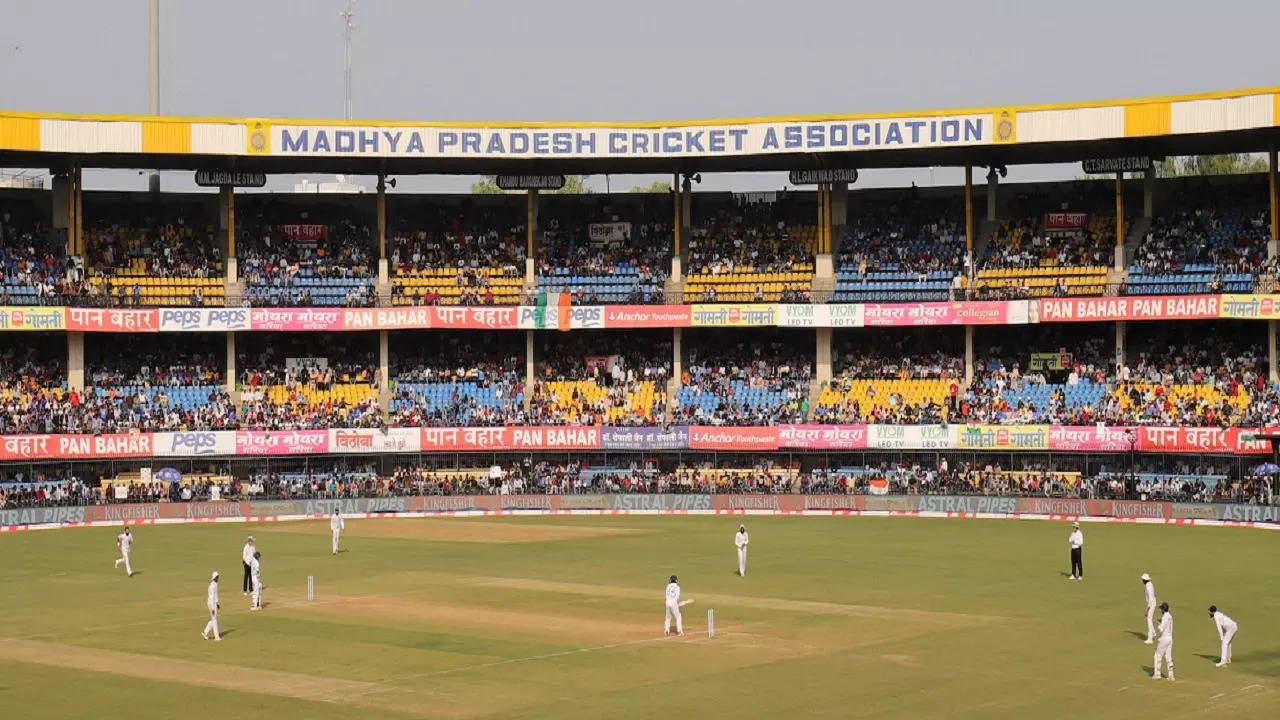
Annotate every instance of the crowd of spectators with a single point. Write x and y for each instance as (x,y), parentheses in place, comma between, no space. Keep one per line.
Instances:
(295,384)
(615,379)
(728,380)
(1207,227)
(458,379)
(906,234)
(291,256)
(754,235)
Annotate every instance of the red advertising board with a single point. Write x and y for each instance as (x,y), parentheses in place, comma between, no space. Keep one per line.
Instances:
(1065,221)
(296,319)
(992,312)
(646,316)
(1091,438)
(122,320)
(822,437)
(703,437)
(282,442)
(114,445)
(481,439)
(1210,440)
(1130,307)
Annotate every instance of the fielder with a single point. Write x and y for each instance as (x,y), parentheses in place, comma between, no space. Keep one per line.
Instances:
(124,543)
(1226,632)
(246,555)
(336,526)
(1164,648)
(1077,553)
(1150,589)
(212,602)
(740,541)
(255,565)
(673,608)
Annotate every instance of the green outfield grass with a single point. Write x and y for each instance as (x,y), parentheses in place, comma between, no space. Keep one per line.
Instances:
(562,617)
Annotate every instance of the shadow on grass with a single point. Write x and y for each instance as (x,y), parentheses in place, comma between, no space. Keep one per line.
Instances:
(1140,635)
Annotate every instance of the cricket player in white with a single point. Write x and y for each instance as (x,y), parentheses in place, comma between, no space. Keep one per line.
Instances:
(1226,632)
(673,608)
(740,541)
(336,525)
(124,541)
(212,602)
(1150,589)
(255,569)
(1164,646)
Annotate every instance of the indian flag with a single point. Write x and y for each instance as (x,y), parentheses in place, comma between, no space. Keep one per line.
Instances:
(552,310)
(878,486)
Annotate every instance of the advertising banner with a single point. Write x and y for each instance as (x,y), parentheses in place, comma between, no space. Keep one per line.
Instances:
(912,437)
(204,319)
(44,515)
(1131,307)
(71,447)
(1209,440)
(661,503)
(195,444)
(644,438)
(822,437)
(646,316)
(1250,307)
(1091,438)
(734,315)
(732,438)
(389,440)
(968,504)
(296,319)
(32,318)
(993,312)
(116,321)
(1003,437)
(1065,221)
(488,439)
(282,442)
(610,233)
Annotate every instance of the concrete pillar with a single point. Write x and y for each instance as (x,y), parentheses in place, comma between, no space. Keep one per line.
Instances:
(1271,351)
(1119,264)
(823,355)
(1121,344)
(61,220)
(1275,202)
(1149,192)
(677,354)
(528,369)
(968,355)
(993,181)
(75,361)
(227,221)
(684,223)
(230,378)
(531,236)
(384,360)
(968,211)
(77,197)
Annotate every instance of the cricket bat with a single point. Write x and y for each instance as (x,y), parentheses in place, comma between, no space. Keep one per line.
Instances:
(686,602)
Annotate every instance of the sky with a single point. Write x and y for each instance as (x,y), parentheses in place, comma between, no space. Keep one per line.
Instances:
(571,60)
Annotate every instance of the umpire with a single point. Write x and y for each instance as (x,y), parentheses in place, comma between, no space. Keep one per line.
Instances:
(246,555)
(1077,552)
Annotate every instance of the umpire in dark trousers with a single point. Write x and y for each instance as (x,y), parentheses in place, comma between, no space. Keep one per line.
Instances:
(1077,553)
(246,555)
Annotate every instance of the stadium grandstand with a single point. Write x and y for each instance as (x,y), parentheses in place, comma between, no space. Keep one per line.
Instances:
(823,338)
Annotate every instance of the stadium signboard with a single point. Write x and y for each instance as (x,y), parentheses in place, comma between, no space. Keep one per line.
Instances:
(823,175)
(230,178)
(529,182)
(1111,166)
